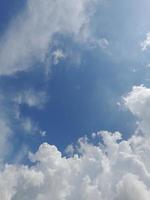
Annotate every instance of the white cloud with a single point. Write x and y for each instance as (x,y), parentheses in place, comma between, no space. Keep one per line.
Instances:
(146,43)
(10,112)
(29,126)
(5,133)
(138,102)
(29,36)
(99,43)
(5,130)
(43,133)
(27,41)
(109,169)
(112,170)
(57,56)
(103,43)
(31,98)
(131,188)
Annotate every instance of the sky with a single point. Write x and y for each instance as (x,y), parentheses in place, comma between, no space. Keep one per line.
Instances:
(74,100)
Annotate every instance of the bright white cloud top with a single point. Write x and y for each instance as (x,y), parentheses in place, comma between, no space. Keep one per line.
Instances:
(138,102)
(113,169)
(103,167)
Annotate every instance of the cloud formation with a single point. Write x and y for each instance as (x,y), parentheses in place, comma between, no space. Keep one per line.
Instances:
(31,98)
(146,43)
(114,169)
(105,167)
(29,36)
(58,55)
(138,102)
(5,134)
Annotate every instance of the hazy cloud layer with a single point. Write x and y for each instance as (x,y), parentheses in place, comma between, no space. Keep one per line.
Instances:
(26,42)
(31,98)
(29,36)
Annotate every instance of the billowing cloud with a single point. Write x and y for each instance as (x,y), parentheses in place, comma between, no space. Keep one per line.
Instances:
(138,102)
(109,168)
(105,167)
(29,36)
(114,169)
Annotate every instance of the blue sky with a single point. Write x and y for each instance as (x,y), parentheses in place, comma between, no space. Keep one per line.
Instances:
(74,100)
(84,86)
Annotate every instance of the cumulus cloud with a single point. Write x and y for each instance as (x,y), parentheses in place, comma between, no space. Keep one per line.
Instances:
(114,169)
(103,167)
(108,168)
(138,102)
(29,36)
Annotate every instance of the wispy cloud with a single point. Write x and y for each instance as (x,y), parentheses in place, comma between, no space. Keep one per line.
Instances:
(31,98)
(29,36)
(101,167)
(146,43)
(57,56)
(26,42)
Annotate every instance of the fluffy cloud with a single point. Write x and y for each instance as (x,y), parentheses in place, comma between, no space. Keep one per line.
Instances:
(29,36)
(138,102)
(105,167)
(109,168)
(114,169)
